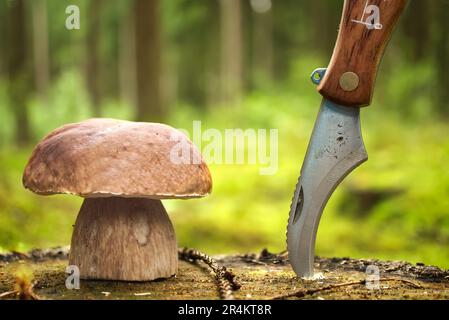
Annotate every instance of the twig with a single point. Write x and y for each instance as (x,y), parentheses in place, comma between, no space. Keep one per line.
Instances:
(36,254)
(257,262)
(142,294)
(8,293)
(22,294)
(226,281)
(28,295)
(307,292)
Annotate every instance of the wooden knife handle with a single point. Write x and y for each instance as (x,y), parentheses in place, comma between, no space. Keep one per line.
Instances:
(365,29)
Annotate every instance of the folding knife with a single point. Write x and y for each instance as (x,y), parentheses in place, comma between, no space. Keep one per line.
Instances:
(336,146)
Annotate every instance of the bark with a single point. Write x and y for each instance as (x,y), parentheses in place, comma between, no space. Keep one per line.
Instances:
(263,50)
(148,59)
(324,20)
(93,66)
(127,61)
(40,48)
(3,46)
(441,57)
(231,51)
(417,28)
(18,72)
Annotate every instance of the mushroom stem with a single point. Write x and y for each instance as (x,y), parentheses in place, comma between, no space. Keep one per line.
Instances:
(129,239)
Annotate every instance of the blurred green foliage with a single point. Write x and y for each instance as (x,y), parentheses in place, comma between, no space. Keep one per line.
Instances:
(247,211)
(395,206)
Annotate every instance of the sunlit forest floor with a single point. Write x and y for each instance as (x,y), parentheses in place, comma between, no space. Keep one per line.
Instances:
(395,206)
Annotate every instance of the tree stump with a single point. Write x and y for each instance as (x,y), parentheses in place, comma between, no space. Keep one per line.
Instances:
(260,276)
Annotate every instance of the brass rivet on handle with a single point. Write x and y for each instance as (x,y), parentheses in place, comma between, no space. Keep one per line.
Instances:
(349,81)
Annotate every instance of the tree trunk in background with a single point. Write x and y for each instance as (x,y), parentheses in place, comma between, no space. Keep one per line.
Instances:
(3,44)
(442,56)
(148,60)
(324,19)
(19,75)
(417,28)
(40,47)
(231,51)
(262,42)
(93,56)
(127,60)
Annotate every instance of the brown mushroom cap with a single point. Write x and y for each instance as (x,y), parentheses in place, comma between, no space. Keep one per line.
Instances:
(107,157)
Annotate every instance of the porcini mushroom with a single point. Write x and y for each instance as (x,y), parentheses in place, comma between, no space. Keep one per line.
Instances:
(123,169)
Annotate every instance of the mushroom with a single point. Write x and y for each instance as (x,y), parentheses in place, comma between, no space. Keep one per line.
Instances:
(122,169)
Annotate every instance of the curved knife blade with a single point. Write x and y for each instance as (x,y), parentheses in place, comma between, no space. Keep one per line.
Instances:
(336,148)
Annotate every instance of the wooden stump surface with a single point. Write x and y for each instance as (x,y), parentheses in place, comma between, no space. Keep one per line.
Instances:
(261,276)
